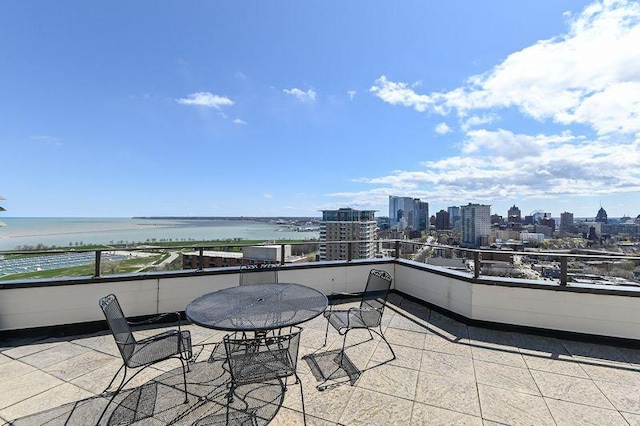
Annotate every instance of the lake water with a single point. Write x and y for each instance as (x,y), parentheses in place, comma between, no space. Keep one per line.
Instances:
(69,231)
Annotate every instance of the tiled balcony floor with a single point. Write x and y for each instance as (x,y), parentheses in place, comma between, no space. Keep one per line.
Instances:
(445,373)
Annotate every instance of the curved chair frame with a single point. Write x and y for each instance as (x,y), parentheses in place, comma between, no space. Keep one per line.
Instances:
(366,316)
(139,354)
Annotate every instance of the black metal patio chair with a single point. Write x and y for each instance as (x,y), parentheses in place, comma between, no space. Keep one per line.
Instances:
(259,274)
(269,356)
(366,316)
(145,352)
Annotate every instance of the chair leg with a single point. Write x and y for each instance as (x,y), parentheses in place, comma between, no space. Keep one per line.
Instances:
(114,378)
(381,334)
(370,335)
(118,389)
(344,341)
(326,332)
(184,377)
(304,414)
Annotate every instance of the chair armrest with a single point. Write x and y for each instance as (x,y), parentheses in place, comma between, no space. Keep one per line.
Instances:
(154,319)
(342,293)
(345,293)
(160,336)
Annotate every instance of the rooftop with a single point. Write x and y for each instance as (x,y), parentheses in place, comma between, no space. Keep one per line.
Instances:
(445,373)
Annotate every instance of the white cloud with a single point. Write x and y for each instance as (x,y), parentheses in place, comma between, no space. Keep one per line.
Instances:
(239,121)
(268,195)
(500,164)
(308,96)
(477,120)
(352,94)
(401,94)
(443,128)
(589,76)
(206,99)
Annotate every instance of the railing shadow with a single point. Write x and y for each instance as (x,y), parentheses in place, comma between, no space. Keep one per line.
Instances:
(543,346)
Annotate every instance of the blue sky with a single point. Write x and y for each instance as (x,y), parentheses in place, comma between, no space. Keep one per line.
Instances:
(285,108)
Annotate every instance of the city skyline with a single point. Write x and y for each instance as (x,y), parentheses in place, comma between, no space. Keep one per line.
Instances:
(288,109)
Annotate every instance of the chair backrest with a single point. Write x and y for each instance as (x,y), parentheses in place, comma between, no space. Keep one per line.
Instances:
(118,325)
(377,290)
(264,273)
(269,356)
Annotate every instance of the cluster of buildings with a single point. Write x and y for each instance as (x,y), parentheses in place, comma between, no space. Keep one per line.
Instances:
(350,234)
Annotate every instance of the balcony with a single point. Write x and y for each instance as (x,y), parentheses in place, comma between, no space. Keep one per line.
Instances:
(470,349)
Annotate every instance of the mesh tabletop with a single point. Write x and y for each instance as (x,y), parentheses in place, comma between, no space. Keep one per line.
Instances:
(257,307)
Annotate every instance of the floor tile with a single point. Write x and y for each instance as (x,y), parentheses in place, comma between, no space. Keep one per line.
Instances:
(54,397)
(505,377)
(595,353)
(404,323)
(412,339)
(434,416)
(558,366)
(21,351)
(405,356)
(632,419)
(79,365)
(437,343)
(572,389)
(12,369)
(4,358)
(389,379)
(330,403)
(459,394)
(446,365)
(624,397)
(513,408)
(26,386)
(569,413)
(505,356)
(372,408)
(54,354)
(610,373)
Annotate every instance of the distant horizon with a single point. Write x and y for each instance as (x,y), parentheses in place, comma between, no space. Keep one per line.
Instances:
(431,213)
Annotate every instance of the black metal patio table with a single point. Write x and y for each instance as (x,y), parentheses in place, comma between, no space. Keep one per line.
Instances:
(257,308)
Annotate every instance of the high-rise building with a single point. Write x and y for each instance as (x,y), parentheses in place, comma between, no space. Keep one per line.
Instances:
(442,220)
(454,215)
(514,218)
(408,213)
(353,230)
(476,224)
(566,222)
(548,221)
(602,216)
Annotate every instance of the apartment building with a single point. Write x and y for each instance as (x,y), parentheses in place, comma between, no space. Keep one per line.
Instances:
(476,224)
(408,213)
(352,233)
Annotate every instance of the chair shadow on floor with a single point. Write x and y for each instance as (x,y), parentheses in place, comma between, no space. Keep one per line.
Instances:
(161,401)
(335,368)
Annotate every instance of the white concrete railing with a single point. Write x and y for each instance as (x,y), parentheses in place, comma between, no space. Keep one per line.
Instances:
(522,303)
(25,307)
(545,306)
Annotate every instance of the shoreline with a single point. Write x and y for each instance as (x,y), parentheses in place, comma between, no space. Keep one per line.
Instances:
(119,232)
